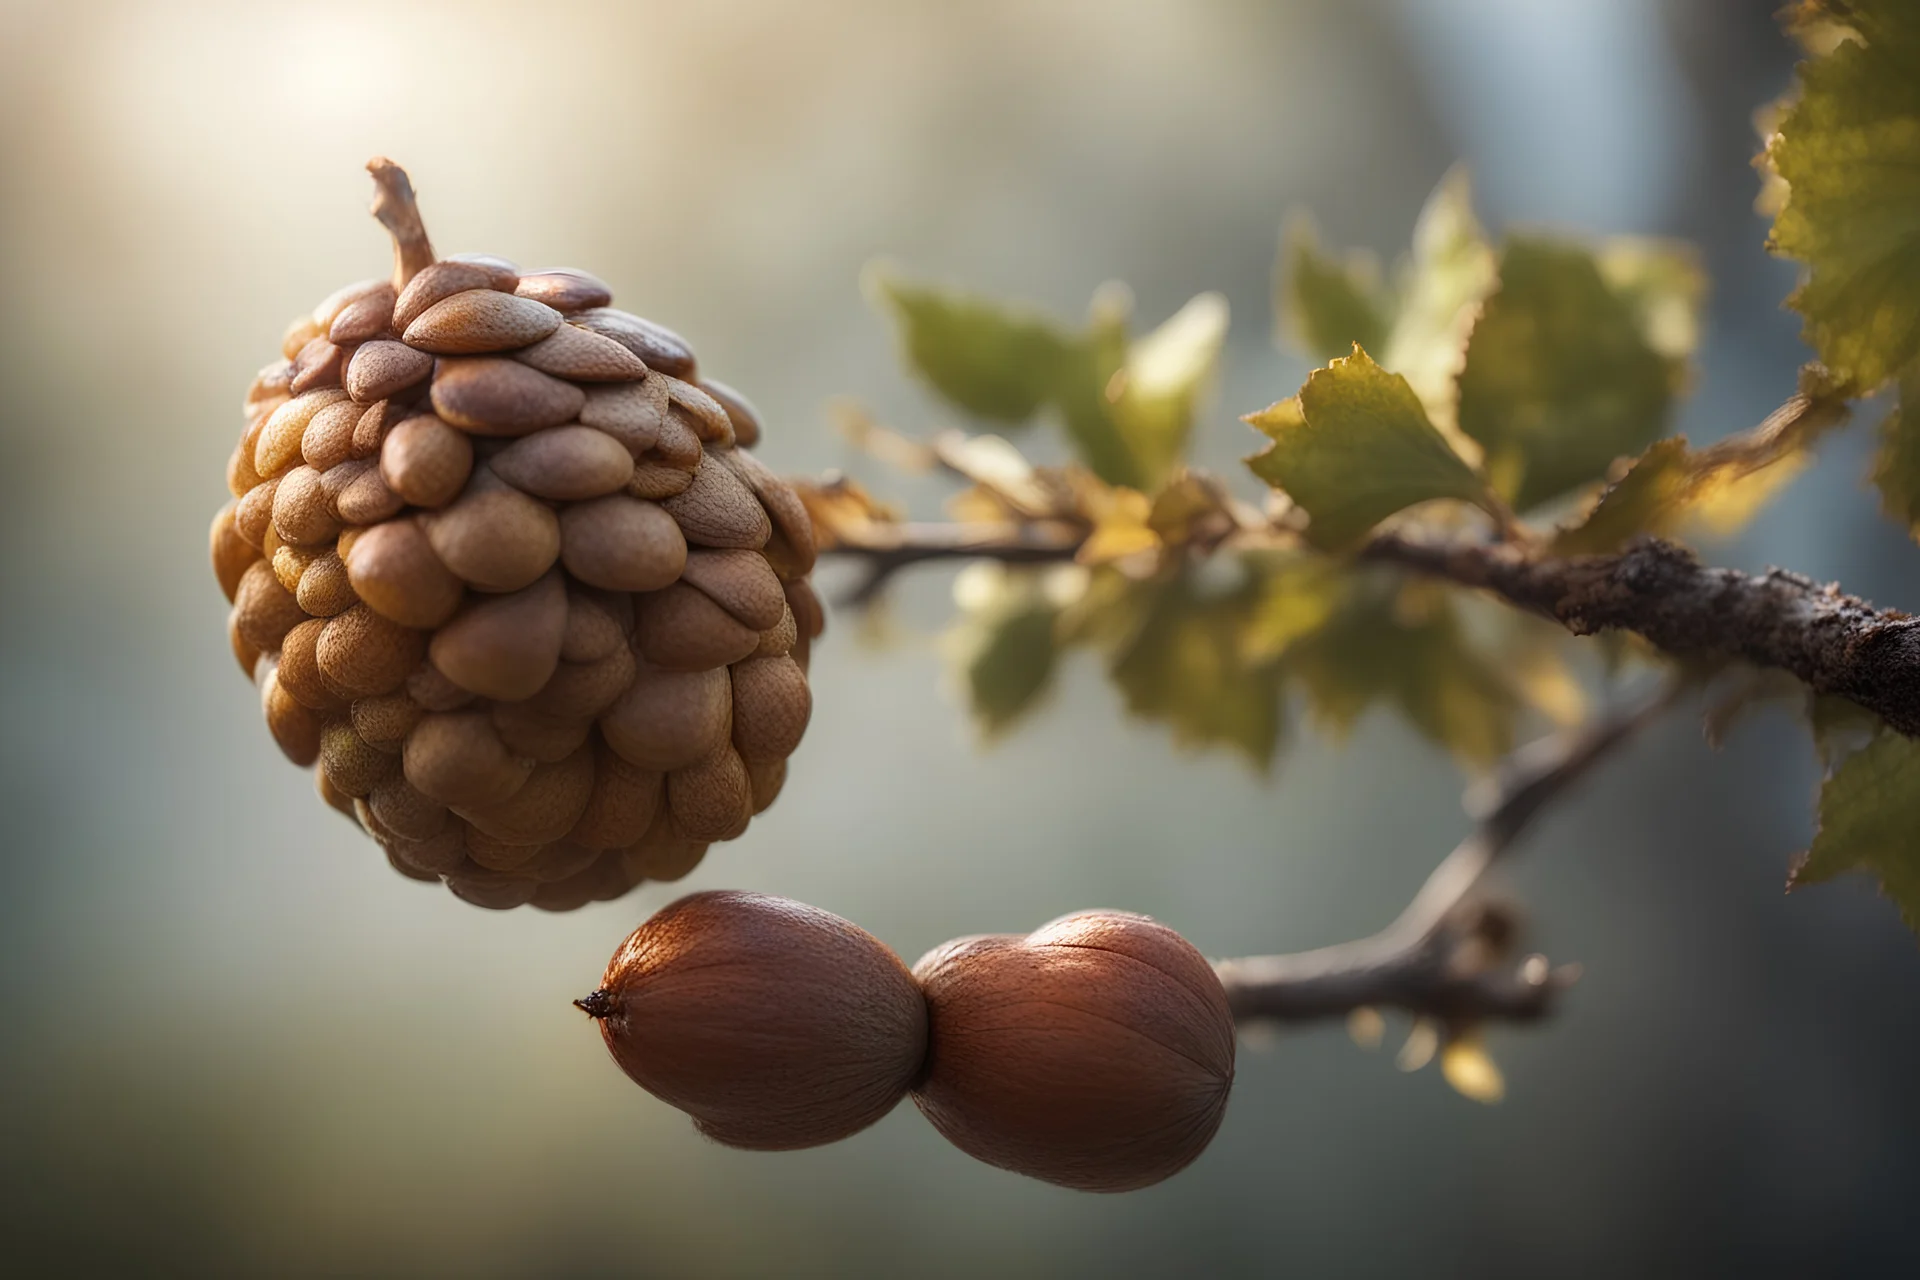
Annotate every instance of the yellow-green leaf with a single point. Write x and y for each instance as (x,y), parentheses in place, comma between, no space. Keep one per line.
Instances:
(1849,151)
(1719,487)
(1869,812)
(1326,306)
(1405,647)
(1004,648)
(1896,468)
(1559,378)
(1354,447)
(1451,270)
(993,360)
(1163,383)
(1183,663)
(1641,501)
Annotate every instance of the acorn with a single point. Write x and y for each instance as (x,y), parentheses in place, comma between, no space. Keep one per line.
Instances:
(502,572)
(774,1024)
(1095,1053)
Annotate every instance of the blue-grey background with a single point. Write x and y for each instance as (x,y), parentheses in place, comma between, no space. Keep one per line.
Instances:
(235,1043)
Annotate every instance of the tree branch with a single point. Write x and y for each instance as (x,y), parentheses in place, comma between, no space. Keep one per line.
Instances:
(1441,957)
(1835,643)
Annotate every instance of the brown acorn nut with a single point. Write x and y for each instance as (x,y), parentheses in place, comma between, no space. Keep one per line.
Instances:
(774,1024)
(1095,1053)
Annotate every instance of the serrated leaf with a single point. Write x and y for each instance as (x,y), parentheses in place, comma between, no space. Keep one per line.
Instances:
(992,360)
(1450,271)
(1377,649)
(1849,151)
(1326,307)
(1869,812)
(1354,447)
(1559,379)
(1896,467)
(1641,501)
(1719,487)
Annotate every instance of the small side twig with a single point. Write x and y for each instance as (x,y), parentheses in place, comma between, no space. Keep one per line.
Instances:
(1425,961)
(891,548)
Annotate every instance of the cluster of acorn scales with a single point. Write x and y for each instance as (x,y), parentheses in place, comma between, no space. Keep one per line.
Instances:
(501,564)
(502,567)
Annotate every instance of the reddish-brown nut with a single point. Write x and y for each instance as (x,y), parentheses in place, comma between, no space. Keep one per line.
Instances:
(1095,1053)
(775,1025)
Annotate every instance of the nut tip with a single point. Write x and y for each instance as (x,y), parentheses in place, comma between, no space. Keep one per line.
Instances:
(596,1004)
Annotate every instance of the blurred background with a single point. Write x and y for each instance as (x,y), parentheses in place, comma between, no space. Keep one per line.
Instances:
(236,1043)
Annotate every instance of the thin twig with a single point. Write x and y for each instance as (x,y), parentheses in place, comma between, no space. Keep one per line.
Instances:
(395,208)
(1423,961)
(891,548)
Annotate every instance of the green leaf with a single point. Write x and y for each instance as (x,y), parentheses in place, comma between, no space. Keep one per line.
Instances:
(1327,307)
(1849,152)
(1127,406)
(1004,648)
(1083,392)
(1719,487)
(1559,379)
(1164,378)
(1354,447)
(1011,667)
(1406,648)
(1451,270)
(1641,501)
(1869,812)
(1896,467)
(993,361)
(1183,663)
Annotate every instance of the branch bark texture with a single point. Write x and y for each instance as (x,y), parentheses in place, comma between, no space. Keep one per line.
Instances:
(1835,643)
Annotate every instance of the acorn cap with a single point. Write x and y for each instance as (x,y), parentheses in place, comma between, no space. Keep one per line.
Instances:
(502,573)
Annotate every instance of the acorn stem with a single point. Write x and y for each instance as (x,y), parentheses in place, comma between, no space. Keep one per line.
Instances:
(596,1004)
(394,206)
